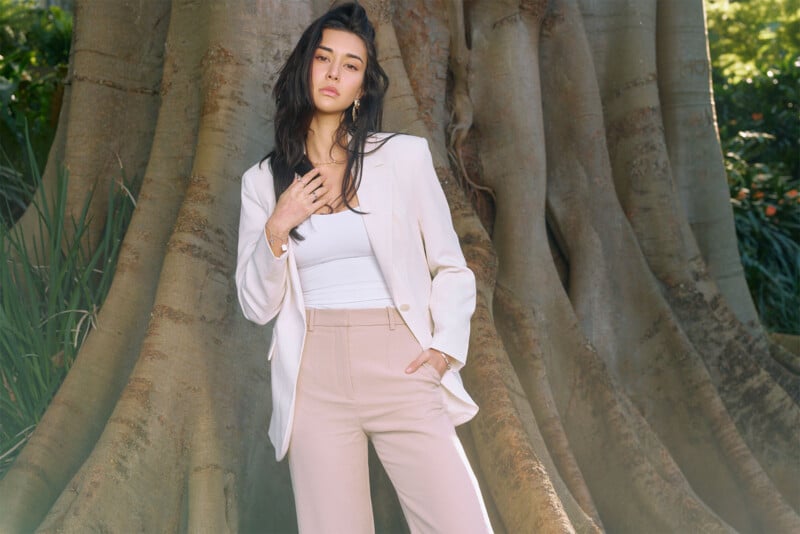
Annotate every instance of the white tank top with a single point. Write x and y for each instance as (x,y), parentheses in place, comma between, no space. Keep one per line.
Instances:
(336,264)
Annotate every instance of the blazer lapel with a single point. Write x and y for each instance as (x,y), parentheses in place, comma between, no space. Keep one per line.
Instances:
(375,199)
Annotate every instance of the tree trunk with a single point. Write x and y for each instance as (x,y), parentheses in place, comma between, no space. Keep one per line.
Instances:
(623,380)
(106,125)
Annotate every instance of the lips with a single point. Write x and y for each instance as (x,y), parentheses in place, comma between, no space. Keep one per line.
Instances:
(329,90)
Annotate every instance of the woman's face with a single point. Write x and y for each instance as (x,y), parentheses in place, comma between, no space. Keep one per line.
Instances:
(337,71)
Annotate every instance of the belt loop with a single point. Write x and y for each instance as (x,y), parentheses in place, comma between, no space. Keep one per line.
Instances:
(389,311)
(310,319)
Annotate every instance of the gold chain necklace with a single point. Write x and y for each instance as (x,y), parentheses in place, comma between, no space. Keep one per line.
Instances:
(331,162)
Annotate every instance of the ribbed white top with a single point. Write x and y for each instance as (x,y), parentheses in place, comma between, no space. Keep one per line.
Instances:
(336,264)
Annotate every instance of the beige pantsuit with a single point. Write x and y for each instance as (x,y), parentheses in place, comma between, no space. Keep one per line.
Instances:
(330,393)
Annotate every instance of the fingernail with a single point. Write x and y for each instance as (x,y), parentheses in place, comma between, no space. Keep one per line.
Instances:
(409,369)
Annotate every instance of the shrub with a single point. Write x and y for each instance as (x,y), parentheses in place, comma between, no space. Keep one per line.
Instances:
(766,207)
(49,296)
(755,56)
(34,52)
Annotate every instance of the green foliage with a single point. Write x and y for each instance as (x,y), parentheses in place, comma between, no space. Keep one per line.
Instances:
(747,37)
(755,56)
(766,206)
(34,52)
(16,189)
(49,296)
(767,103)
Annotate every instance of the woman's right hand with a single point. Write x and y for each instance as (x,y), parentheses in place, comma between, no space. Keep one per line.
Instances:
(303,197)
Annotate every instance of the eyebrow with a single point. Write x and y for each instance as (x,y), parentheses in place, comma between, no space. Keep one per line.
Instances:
(354,56)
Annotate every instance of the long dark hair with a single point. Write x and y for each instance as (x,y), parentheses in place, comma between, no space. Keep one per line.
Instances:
(294,106)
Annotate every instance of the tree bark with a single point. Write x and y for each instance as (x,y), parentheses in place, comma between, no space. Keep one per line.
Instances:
(623,381)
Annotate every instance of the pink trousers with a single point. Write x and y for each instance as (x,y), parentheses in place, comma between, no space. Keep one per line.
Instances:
(353,388)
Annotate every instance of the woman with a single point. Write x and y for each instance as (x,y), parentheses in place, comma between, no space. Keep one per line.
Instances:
(358,259)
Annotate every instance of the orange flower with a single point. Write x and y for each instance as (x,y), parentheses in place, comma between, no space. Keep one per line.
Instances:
(770,210)
(792,193)
(757,116)
(758,194)
(742,194)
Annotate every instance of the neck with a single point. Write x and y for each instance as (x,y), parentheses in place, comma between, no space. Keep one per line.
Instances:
(320,139)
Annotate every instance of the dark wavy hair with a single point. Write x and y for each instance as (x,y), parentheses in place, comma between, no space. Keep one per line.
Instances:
(294,105)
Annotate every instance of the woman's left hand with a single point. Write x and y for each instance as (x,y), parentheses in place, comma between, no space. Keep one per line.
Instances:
(430,357)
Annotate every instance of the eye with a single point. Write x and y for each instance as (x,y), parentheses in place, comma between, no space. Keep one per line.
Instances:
(351,66)
(321,57)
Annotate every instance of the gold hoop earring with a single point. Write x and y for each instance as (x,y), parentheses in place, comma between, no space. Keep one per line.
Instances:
(356,105)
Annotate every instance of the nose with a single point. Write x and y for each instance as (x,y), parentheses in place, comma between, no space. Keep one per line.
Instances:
(333,72)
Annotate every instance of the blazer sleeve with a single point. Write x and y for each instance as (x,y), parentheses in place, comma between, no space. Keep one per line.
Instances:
(452,299)
(261,278)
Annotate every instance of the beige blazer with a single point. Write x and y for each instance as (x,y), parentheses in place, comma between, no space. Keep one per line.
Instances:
(409,227)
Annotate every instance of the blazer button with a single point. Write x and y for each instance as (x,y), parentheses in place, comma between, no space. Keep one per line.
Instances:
(404,307)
